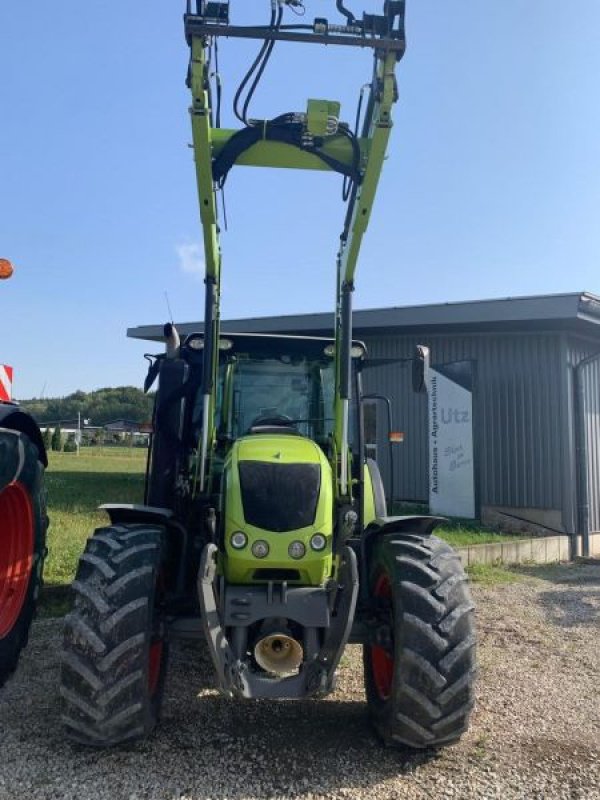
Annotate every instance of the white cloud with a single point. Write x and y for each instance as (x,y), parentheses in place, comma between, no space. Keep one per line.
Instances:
(191,259)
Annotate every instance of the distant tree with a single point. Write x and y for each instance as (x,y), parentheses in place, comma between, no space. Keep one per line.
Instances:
(71,444)
(47,438)
(56,441)
(102,406)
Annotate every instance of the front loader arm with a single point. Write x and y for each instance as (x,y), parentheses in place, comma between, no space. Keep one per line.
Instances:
(376,133)
(378,126)
(202,132)
(294,141)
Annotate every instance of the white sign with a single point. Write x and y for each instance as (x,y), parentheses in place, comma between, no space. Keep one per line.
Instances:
(451,472)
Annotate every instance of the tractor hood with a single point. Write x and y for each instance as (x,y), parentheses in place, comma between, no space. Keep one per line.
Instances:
(280,481)
(278,490)
(280,449)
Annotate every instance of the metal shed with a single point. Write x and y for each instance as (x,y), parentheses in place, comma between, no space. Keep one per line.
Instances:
(536,400)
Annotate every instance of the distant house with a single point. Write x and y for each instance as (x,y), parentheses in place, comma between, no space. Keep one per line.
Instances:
(68,426)
(113,432)
(123,426)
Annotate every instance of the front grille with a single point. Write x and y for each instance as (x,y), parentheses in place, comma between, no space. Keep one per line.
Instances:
(276,575)
(279,497)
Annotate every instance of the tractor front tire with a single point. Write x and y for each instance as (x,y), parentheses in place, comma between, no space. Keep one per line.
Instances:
(115,653)
(23,525)
(420,669)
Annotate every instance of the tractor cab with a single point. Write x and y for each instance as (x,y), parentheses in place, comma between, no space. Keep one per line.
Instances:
(276,385)
(274,432)
(265,385)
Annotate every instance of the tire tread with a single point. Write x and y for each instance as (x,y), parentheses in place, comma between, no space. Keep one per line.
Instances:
(434,670)
(107,636)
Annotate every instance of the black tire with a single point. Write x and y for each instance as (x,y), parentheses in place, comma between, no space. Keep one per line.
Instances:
(23,525)
(420,673)
(115,653)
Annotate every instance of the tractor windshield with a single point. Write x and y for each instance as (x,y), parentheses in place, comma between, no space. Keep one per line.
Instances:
(283,390)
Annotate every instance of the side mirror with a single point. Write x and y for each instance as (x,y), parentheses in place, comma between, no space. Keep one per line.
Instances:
(420,368)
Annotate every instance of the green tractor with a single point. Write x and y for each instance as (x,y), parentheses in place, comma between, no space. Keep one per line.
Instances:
(264,528)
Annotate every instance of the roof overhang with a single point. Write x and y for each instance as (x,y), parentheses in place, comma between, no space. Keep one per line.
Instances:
(578,312)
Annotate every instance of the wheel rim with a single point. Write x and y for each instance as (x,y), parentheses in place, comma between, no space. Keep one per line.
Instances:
(16,554)
(382,662)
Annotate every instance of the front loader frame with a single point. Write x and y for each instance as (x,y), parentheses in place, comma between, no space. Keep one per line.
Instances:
(384,35)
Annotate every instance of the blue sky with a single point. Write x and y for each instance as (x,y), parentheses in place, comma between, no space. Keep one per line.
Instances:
(491,188)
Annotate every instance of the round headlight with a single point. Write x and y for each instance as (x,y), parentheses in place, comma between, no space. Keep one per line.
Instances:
(296,550)
(260,549)
(318,542)
(239,540)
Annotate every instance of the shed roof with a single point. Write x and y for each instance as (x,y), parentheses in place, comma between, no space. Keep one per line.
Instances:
(578,311)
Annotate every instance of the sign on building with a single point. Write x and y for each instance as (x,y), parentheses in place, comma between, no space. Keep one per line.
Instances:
(6,381)
(451,468)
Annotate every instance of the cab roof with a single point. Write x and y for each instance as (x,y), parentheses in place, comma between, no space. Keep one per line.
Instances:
(259,344)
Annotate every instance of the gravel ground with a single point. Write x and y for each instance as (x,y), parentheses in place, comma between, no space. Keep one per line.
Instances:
(535,731)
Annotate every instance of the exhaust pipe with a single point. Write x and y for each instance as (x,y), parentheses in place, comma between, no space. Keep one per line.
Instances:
(172,341)
(279,654)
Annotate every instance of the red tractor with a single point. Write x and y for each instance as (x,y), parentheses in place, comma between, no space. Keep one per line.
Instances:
(23,520)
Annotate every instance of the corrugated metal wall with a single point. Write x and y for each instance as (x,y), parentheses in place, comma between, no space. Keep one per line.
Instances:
(587,386)
(517,414)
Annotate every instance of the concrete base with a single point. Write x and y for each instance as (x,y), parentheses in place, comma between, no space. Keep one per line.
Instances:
(535,521)
(546,550)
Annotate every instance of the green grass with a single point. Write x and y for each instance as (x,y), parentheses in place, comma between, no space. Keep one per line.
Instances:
(77,485)
(459,532)
(493,574)
(461,535)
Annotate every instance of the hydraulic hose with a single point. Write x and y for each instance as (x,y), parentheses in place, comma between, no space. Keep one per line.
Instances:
(279,130)
(346,13)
